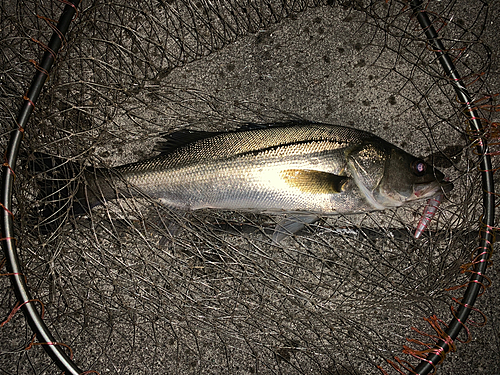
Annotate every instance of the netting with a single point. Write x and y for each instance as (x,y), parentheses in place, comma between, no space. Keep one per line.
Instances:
(135,287)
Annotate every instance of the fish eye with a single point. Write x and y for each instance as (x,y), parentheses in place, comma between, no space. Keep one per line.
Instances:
(419,167)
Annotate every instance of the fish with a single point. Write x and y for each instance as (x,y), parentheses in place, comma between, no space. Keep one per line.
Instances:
(303,169)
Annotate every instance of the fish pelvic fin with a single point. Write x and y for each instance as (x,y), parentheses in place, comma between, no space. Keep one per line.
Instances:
(291,225)
(314,182)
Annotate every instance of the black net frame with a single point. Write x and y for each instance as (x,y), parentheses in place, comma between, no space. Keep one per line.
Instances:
(29,305)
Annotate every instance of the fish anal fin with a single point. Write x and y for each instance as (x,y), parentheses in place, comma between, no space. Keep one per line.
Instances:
(315,182)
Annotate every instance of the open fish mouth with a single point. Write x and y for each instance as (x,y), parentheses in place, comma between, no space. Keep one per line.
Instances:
(430,189)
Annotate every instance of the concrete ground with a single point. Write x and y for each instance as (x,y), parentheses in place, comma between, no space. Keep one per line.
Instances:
(248,307)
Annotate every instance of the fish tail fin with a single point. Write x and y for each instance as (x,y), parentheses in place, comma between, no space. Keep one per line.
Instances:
(62,189)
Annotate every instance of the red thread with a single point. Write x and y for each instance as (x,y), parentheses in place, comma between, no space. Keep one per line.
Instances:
(29,100)
(437,19)
(32,343)
(20,128)
(18,306)
(489,107)
(469,321)
(449,50)
(9,317)
(475,77)
(431,349)
(76,11)
(422,354)
(45,47)
(6,239)
(51,23)
(485,98)
(484,287)
(382,369)
(4,261)
(6,164)
(15,274)
(396,367)
(469,337)
(7,210)
(39,68)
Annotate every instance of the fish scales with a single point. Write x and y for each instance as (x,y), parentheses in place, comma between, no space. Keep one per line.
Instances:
(240,142)
(248,180)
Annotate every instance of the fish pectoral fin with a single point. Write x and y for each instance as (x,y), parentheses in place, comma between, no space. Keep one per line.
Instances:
(291,225)
(316,182)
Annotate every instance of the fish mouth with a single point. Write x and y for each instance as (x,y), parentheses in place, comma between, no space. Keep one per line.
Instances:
(431,189)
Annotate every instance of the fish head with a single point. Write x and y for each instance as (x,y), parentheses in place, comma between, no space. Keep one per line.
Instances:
(390,177)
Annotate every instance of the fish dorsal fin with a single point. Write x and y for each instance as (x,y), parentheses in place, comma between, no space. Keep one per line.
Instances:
(314,182)
(277,124)
(184,137)
(173,141)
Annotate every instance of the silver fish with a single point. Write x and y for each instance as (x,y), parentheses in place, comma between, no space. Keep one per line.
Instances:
(300,168)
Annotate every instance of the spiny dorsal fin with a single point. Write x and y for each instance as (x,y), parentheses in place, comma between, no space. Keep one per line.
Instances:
(278,124)
(183,137)
(180,138)
(314,182)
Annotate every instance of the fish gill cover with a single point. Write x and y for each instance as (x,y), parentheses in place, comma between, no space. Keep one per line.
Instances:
(134,287)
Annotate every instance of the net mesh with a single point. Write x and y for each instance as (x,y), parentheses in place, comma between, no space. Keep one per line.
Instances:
(135,287)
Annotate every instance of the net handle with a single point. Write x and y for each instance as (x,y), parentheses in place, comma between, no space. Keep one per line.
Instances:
(28,305)
(486,239)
